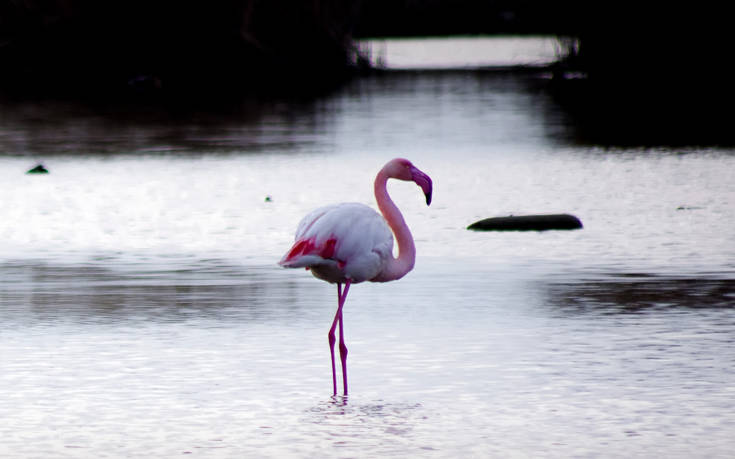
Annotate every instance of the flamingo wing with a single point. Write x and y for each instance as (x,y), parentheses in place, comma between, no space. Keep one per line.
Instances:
(341,242)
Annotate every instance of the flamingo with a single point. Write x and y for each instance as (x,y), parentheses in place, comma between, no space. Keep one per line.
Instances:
(349,243)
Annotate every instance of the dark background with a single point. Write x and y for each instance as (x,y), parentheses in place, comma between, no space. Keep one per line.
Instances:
(649,69)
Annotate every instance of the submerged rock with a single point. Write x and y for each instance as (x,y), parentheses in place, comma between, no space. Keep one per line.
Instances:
(528,223)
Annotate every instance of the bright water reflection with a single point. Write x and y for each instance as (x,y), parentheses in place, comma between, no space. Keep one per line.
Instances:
(144,316)
(461,52)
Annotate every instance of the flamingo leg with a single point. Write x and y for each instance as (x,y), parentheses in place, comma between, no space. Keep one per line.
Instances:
(342,348)
(330,335)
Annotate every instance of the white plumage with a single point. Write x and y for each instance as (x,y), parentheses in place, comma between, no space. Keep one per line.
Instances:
(340,242)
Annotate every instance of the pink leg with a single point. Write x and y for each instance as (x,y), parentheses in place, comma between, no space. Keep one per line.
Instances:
(330,335)
(342,348)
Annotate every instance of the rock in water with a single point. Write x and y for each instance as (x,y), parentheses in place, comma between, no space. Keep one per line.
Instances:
(528,223)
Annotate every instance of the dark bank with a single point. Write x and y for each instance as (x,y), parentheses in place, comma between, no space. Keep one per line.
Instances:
(631,74)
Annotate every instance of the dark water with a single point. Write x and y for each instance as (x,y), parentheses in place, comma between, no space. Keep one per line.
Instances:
(144,315)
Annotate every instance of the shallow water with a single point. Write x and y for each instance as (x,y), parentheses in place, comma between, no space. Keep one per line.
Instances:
(144,315)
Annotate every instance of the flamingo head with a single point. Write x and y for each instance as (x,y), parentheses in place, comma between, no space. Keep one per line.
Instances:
(402,169)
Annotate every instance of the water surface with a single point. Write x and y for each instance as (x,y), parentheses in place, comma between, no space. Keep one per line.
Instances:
(144,314)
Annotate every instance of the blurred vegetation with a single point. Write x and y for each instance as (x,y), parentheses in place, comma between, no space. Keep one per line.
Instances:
(228,46)
(396,18)
(652,72)
(637,67)
(197,49)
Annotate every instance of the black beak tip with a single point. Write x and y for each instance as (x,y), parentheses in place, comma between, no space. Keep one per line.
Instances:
(428,199)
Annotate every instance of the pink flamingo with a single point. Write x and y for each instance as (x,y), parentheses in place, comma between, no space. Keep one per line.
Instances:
(349,243)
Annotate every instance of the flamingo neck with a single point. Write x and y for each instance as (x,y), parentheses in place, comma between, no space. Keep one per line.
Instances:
(398,267)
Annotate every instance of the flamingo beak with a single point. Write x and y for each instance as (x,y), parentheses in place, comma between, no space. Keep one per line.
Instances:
(424,181)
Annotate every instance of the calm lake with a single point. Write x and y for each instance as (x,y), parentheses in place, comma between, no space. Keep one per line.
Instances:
(143,313)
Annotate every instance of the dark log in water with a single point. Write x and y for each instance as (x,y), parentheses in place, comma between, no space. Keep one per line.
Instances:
(528,223)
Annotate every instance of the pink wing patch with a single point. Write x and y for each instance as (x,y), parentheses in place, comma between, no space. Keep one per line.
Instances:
(327,250)
(308,247)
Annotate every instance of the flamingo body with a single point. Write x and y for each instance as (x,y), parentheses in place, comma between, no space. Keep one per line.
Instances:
(350,243)
(328,243)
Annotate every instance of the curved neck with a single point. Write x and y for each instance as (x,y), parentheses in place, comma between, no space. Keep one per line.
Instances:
(396,267)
